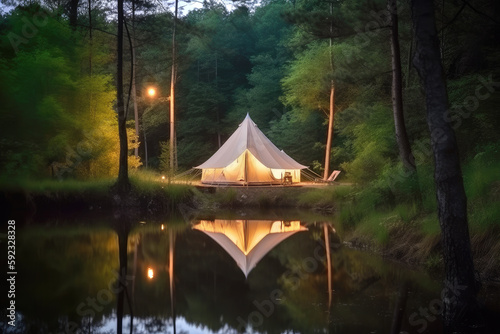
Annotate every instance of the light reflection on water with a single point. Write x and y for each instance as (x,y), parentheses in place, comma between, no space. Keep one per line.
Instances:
(212,276)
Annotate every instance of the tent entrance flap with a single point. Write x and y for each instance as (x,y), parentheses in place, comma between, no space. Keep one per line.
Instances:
(235,172)
(280,174)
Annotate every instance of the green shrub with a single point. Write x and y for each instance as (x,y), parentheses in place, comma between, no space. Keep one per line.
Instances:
(316,197)
(407,212)
(430,225)
(481,173)
(227,197)
(484,217)
(374,225)
(434,263)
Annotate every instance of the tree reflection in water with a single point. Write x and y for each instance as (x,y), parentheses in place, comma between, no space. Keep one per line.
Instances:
(70,268)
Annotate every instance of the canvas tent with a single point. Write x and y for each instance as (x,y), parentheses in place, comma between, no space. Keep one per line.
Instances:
(248,241)
(249,157)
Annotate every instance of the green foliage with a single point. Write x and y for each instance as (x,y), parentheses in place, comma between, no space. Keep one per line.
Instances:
(481,173)
(483,188)
(146,183)
(227,197)
(274,62)
(57,119)
(374,225)
(430,225)
(484,217)
(307,84)
(286,131)
(325,196)
(164,158)
(372,142)
(98,186)
(407,212)
(434,262)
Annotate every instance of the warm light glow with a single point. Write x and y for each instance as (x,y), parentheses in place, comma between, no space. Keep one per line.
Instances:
(151,92)
(163,177)
(151,273)
(162,227)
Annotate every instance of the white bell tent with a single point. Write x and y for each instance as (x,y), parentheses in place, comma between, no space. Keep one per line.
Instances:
(249,157)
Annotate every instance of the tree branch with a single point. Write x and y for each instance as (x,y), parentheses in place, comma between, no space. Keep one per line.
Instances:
(454,18)
(479,12)
(94,28)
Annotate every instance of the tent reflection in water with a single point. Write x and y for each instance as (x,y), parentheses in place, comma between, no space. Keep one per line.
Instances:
(248,241)
(249,157)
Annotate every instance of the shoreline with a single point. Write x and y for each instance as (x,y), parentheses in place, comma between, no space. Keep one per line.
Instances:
(405,243)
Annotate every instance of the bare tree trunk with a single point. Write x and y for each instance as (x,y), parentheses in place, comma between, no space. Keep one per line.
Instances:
(172,97)
(460,306)
(72,6)
(332,103)
(91,43)
(91,48)
(145,146)
(123,182)
(397,92)
(217,106)
(410,51)
(134,91)
(330,132)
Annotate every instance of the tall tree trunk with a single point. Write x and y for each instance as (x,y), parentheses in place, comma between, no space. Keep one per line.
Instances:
(134,91)
(123,182)
(397,92)
(460,305)
(332,103)
(145,146)
(410,52)
(330,132)
(72,6)
(91,47)
(172,97)
(91,42)
(217,106)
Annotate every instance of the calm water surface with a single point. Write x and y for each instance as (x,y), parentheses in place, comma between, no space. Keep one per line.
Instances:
(254,273)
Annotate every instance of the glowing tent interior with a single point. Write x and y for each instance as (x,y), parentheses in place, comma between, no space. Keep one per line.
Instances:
(249,157)
(248,241)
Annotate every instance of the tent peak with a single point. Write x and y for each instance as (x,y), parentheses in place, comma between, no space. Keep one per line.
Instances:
(248,119)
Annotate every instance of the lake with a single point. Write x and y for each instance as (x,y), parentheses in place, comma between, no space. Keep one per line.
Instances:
(257,272)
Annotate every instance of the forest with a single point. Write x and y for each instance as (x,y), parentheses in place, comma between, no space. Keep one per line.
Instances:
(343,85)
(275,60)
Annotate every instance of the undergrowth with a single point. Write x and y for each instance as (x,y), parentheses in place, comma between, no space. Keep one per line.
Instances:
(411,201)
(143,184)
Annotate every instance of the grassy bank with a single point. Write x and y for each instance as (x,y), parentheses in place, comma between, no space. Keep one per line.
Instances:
(321,199)
(148,192)
(399,219)
(396,219)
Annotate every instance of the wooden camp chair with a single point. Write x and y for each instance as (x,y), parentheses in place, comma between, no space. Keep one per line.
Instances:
(333,176)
